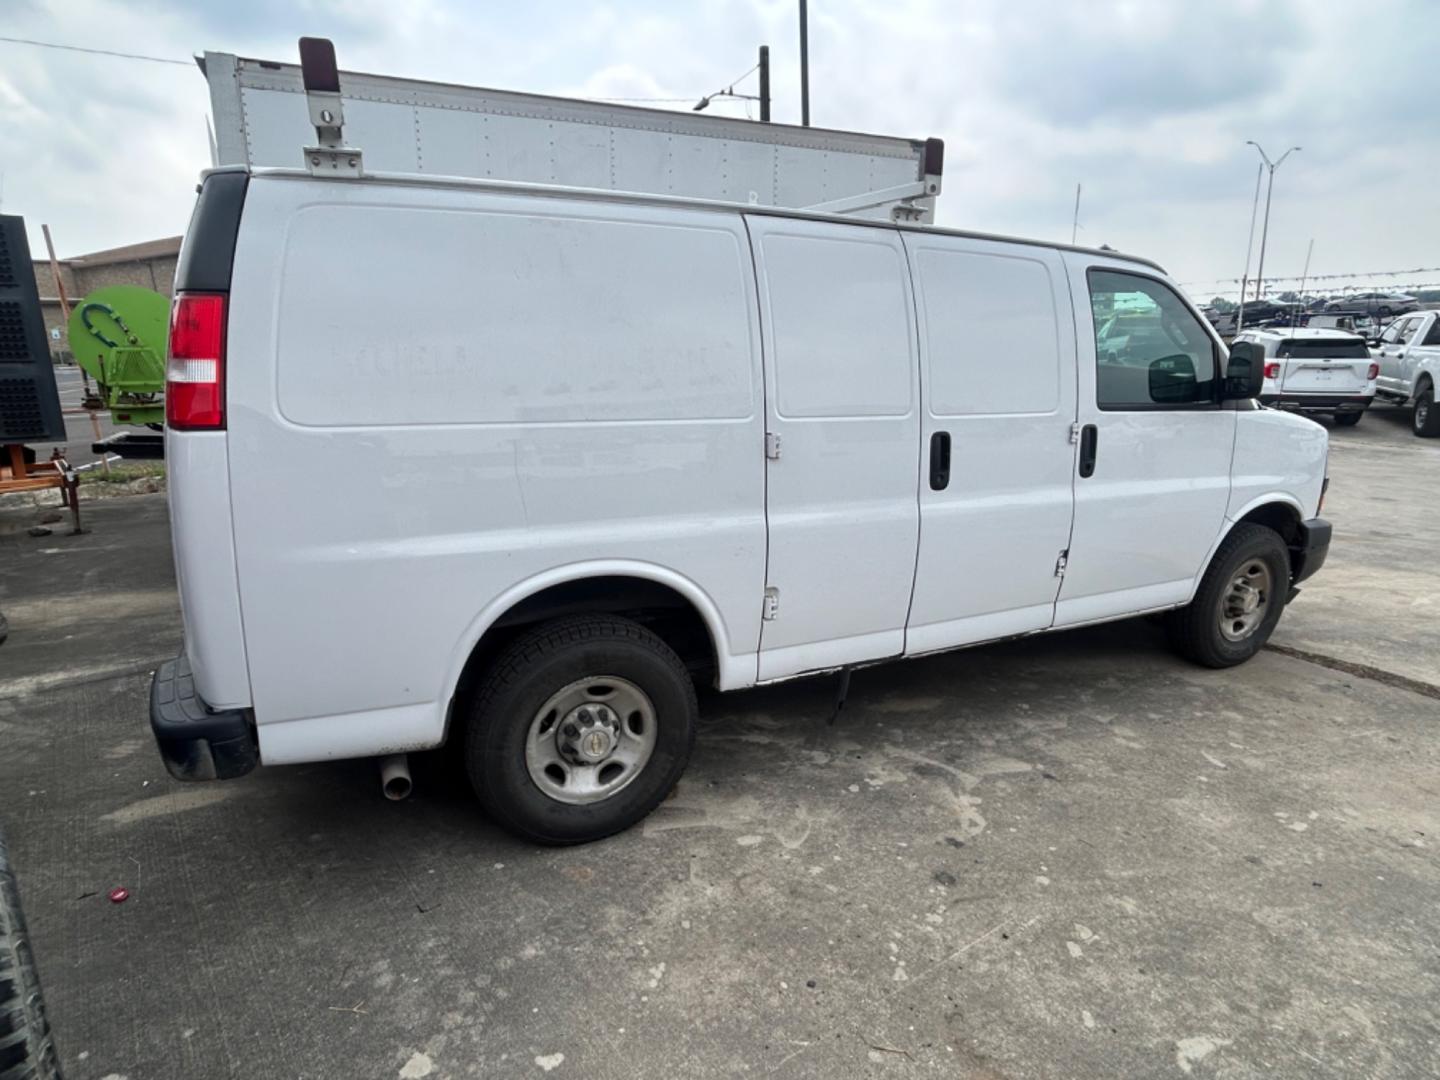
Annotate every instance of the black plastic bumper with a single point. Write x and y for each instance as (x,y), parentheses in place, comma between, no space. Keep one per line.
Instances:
(1309,554)
(196,742)
(1326,403)
(135,445)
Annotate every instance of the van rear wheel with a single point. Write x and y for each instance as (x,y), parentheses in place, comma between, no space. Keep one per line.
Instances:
(1240,599)
(580,729)
(1348,419)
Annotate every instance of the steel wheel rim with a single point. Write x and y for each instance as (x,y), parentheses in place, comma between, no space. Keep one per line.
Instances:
(590,739)
(1246,600)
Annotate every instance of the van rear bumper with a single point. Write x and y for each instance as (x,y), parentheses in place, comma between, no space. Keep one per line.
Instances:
(1327,403)
(195,741)
(1308,555)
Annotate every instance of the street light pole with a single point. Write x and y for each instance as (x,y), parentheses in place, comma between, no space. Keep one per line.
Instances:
(1249,247)
(804,65)
(1265,228)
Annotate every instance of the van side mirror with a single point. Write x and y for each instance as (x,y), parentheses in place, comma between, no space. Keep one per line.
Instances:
(1244,372)
(1172,380)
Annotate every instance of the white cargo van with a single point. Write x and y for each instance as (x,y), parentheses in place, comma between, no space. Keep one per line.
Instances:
(511,467)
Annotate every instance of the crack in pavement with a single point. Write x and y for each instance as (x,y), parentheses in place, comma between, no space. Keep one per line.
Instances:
(1361,671)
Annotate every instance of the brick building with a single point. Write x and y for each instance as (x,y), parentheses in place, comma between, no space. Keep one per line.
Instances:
(150,265)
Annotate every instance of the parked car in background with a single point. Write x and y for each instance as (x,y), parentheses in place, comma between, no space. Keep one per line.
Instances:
(1257,313)
(1316,371)
(1380,304)
(1317,321)
(1408,355)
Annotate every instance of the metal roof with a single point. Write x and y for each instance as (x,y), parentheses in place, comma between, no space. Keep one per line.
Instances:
(514,187)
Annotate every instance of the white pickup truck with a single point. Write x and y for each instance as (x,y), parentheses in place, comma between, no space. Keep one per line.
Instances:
(1408,353)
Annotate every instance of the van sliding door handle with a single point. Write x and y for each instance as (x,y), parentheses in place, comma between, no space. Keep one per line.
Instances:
(1089,440)
(939,460)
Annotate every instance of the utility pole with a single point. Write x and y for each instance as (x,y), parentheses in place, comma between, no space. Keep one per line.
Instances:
(1249,247)
(804,65)
(1265,228)
(1304,274)
(764,84)
(64,303)
(1075,224)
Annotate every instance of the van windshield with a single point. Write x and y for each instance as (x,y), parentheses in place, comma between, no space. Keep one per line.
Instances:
(1323,349)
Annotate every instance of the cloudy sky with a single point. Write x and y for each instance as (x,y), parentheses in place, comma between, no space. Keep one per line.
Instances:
(1148,103)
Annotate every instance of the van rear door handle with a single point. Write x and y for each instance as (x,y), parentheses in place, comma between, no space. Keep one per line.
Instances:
(940,461)
(1089,440)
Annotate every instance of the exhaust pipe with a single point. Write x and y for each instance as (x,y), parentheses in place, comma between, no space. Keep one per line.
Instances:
(395,777)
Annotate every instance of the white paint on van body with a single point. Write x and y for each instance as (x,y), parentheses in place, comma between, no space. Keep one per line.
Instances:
(1156,503)
(198,490)
(442,399)
(842,393)
(437,396)
(997,369)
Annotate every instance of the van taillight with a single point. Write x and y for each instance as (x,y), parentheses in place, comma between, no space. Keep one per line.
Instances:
(195,370)
(1374,372)
(1272,371)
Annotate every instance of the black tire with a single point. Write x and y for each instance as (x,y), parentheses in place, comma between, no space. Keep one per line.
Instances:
(27,1051)
(1425,421)
(1347,419)
(1195,629)
(536,666)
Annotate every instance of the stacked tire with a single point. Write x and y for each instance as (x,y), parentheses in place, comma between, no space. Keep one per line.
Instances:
(27,1051)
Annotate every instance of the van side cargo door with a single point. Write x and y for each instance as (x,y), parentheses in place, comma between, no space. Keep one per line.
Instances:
(997,380)
(843,434)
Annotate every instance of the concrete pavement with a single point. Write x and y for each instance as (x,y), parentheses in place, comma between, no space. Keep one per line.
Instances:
(1071,856)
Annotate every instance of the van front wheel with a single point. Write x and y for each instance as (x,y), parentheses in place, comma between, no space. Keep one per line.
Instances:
(1240,599)
(581,728)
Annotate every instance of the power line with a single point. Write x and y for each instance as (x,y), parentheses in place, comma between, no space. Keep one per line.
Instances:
(187,63)
(1326,277)
(96,52)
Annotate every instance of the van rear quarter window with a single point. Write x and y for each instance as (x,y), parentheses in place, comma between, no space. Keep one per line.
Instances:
(409,315)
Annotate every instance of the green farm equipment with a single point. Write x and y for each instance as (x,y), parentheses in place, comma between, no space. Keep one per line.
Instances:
(118,336)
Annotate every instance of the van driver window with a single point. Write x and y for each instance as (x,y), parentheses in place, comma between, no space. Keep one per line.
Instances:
(1150,351)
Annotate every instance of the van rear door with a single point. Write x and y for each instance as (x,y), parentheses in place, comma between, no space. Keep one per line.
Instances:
(997,378)
(843,434)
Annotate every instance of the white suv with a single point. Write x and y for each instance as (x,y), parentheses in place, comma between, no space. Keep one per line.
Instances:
(1316,371)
